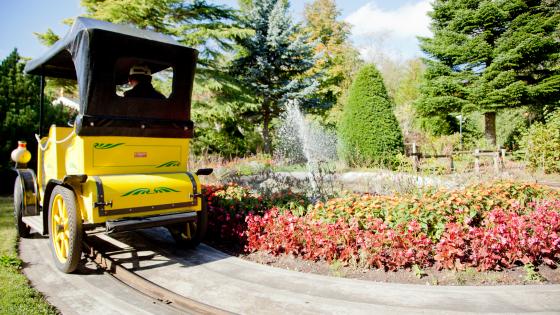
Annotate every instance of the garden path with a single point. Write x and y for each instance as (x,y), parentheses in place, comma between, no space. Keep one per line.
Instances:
(239,286)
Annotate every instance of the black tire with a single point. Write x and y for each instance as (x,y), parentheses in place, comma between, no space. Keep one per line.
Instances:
(73,228)
(196,229)
(22,229)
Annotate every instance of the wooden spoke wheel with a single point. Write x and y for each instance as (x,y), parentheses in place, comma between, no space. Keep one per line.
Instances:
(65,229)
(190,234)
(22,229)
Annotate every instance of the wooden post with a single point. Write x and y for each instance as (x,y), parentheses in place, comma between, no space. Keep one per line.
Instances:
(451,165)
(415,157)
(503,158)
(477,160)
(496,158)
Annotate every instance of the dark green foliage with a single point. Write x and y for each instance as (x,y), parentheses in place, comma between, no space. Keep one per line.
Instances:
(440,125)
(19,112)
(369,130)
(271,63)
(226,137)
(511,125)
(222,112)
(491,55)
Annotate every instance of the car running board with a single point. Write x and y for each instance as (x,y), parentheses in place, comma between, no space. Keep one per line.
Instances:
(143,223)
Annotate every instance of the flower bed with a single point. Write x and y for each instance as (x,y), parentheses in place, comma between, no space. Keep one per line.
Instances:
(488,226)
(229,205)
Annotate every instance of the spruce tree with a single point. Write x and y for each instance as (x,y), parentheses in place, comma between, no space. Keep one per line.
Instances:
(271,63)
(490,55)
(369,131)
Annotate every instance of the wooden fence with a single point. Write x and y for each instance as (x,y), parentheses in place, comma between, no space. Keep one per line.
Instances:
(498,158)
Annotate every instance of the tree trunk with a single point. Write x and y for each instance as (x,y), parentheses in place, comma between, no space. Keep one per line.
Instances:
(490,127)
(266,131)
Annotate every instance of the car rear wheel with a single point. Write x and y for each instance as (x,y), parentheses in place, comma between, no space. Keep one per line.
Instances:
(65,229)
(22,229)
(190,234)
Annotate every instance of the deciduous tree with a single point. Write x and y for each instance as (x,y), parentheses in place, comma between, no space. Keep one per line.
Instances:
(337,60)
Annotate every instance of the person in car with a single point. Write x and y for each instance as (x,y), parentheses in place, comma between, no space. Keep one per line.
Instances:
(140,78)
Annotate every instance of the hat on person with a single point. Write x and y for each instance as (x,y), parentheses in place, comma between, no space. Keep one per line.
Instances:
(142,70)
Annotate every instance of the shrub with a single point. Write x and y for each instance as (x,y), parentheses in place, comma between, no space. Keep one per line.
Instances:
(542,144)
(491,226)
(501,240)
(369,130)
(229,205)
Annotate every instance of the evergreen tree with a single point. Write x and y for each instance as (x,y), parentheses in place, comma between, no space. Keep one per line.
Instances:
(490,55)
(272,63)
(19,112)
(369,130)
(338,60)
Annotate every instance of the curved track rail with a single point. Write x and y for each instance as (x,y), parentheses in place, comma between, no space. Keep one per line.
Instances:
(93,248)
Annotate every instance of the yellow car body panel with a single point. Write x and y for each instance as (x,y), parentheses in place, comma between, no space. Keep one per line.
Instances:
(126,176)
(138,195)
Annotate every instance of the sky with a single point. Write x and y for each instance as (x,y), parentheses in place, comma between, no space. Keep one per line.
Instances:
(390,26)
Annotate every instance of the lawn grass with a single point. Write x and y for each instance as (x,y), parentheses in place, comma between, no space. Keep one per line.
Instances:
(16,296)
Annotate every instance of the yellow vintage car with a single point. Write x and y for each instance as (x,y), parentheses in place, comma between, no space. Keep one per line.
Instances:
(122,163)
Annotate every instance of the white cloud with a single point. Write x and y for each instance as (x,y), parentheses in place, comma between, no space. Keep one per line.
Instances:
(408,20)
(379,33)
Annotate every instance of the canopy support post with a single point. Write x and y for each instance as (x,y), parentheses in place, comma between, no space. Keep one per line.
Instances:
(41,104)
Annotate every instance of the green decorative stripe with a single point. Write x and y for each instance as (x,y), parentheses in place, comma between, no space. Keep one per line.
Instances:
(137,191)
(104,146)
(158,190)
(169,164)
(147,191)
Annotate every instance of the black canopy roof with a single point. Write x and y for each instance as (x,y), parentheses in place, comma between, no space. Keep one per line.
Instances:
(99,54)
(58,60)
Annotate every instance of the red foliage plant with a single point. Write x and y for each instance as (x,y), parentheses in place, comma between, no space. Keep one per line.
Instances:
(513,231)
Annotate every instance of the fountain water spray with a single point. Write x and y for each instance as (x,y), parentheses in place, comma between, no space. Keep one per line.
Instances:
(300,140)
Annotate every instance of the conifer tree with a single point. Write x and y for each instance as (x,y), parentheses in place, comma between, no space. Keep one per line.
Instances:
(369,131)
(491,55)
(271,63)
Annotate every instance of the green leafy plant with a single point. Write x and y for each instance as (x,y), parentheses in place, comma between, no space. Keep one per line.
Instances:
(418,272)
(532,274)
(542,145)
(10,261)
(336,268)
